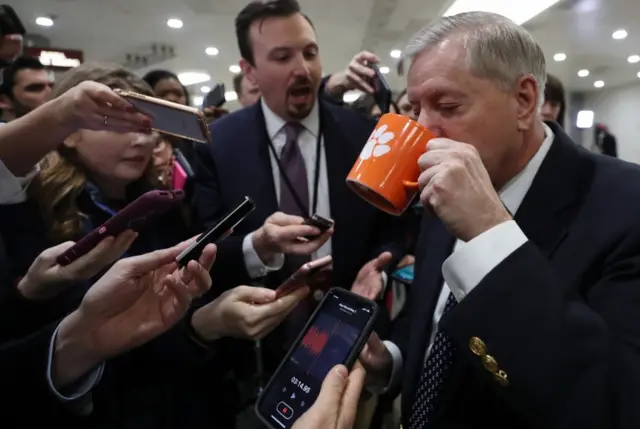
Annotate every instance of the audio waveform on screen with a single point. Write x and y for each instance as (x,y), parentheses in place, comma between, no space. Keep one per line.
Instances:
(315,340)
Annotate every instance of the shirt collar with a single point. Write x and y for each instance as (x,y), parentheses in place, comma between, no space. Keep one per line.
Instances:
(275,123)
(512,194)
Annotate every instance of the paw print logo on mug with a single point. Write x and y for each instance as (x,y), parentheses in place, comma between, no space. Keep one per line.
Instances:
(377,145)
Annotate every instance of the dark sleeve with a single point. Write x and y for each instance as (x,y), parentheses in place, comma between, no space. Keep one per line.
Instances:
(23,369)
(571,355)
(322,93)
(24,233)
(208,208)
(391,238)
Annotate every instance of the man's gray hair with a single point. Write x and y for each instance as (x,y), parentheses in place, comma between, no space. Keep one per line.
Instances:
(497,48)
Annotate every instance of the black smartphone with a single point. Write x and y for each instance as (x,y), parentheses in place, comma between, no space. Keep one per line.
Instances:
(215,97)
(213,234)
(319,222)
(9,21)
(335,334)
(382,91)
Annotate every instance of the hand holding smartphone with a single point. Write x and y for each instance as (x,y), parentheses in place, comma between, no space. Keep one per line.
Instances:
(323,224)
(335,334)
(310,274)
(382,91)
(135,216)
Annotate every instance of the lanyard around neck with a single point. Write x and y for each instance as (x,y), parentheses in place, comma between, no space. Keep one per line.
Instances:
(316,179)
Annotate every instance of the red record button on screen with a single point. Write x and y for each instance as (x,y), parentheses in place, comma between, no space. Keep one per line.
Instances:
(285,410)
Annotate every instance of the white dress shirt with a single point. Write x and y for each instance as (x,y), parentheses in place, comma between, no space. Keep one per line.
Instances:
(307,141)
(470,262)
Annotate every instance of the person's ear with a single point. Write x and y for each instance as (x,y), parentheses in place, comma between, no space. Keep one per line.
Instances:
(527,94)
(248,71)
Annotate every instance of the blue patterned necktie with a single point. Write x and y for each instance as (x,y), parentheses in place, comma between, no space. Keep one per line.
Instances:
(434,374)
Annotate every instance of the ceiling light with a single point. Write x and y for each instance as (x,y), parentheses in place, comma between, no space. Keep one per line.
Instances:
(193,78)
(584,119)
(396,53)
(174,23)
(44,21)
(598,83)
(384,70)
(638,75)
(583,73)
(211,50)
(351,96)
(235,69)
(205,89)
(198,100)
(620,34)
(560,56)
(518,11)
(230,96)
(634,59)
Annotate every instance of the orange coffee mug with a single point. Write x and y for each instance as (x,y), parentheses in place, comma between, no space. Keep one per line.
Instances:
(387,171)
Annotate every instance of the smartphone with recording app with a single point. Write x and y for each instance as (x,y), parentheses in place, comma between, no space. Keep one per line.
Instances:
(134,216)
(382,91)
(170,118)
(216,232)
(313,274)
(335,334)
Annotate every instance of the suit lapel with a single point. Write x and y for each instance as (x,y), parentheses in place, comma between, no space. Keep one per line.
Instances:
(558,188)
(257,173)
(340,154)
(434,246)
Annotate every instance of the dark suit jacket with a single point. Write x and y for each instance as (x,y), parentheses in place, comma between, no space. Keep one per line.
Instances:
(560,315)
(237,164)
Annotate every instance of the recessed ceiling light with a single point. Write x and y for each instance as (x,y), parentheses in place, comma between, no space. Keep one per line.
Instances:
(230,96)
(211,50)
(598,83)
(235,69)
(44,21)
(396,53)
(634,59)
(197,101)
(620,34)
(560,56)
(583,73)
(205,89)
(384,69)
(174,23)
(193,78)
(638,74)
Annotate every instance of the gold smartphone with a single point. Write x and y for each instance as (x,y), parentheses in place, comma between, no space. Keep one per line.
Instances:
(170,118)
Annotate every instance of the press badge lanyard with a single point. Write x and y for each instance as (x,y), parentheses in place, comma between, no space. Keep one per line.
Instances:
(316,178)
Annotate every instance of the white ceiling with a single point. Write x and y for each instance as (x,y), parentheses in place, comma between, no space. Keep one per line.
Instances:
(108,30)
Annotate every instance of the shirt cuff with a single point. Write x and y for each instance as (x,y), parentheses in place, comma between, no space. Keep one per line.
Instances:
(472,261)
(13,190)
(396,370)
(79,392)
(255,267)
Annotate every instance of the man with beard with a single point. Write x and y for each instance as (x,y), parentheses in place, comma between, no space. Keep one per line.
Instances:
(25,86)
(290,152)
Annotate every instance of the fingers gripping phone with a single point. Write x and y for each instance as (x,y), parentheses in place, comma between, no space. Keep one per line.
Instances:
(335,334)
(310,274)
(216,232)
(135,216)
(170,118)
(382,91)
(319,222)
